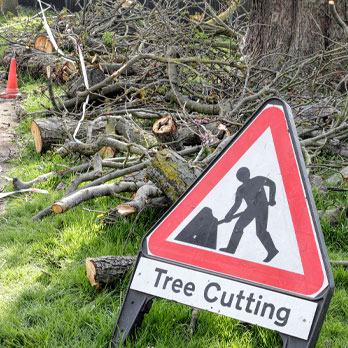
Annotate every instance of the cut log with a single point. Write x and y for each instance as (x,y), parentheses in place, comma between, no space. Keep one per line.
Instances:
(51,130)
(94,76)
(125,209)
(164,126)
(43,43)
(107,152)
(139,201)
(134,133)
(47,132)
(171,173)
(67,70)
(35,63)
(166,131)
(107,269)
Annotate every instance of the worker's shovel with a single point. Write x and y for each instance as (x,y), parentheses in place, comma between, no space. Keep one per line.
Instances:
(223,221)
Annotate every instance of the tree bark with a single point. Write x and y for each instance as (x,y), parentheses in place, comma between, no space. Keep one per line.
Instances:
(49,131)
(134,133)
(293,28)
(339,263)
(10,6)
(92,148)
(107,269)
(94,76)
(20,185)
(171,173)
(79,179)
(85,194)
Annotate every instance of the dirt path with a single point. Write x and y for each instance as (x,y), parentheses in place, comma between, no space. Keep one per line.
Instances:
(8,147)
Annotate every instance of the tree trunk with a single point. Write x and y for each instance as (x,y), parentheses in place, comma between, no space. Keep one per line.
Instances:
(107,269)
(10,6)
(293,28)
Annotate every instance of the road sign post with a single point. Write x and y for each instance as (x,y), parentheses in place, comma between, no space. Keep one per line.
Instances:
(243,241)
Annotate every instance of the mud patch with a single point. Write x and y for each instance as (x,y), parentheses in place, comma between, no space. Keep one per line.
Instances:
(8,147)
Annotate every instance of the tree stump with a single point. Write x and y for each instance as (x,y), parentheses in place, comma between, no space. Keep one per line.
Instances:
(166,131)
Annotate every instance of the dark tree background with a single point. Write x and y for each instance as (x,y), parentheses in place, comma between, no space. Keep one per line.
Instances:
(9,6)
(292,28)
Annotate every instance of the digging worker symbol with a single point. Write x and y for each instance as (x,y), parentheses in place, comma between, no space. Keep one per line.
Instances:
(252,191)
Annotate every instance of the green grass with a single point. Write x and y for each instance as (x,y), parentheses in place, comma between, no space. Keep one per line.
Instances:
(23,20)
(46,299)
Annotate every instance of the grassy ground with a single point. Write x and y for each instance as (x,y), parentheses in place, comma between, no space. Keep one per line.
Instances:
(46,299)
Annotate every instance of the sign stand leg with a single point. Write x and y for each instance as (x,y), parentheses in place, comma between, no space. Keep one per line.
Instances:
(293,342)
(135,305)
(323,304)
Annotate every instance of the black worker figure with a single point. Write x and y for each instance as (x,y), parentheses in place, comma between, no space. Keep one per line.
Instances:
(252,191)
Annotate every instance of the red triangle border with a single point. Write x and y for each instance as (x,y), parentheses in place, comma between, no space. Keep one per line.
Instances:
(313,278)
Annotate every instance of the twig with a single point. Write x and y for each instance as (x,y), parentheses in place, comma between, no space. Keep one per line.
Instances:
(193,321)
(337,17)
(339,263)
(132,228)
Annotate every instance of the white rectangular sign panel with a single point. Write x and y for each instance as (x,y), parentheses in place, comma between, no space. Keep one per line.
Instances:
(283,313)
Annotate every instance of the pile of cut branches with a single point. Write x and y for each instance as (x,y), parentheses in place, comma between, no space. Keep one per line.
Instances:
(151,96)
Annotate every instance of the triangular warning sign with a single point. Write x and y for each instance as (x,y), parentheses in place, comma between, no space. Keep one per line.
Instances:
(243,241)
(251,214)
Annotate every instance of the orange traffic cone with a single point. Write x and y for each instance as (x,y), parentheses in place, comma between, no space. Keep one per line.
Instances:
(11,89)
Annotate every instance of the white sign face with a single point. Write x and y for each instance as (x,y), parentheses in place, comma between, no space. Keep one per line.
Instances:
(279,224)
(283,313)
